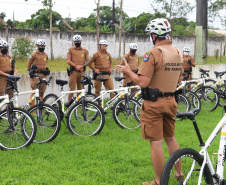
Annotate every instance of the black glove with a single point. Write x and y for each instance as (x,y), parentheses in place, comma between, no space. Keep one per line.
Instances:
(189,61)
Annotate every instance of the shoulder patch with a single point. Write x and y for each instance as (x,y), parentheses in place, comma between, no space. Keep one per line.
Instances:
(67,51)
(91,56)
(30,56)
(146,57)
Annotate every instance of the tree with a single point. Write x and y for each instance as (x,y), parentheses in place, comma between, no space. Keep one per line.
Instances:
(49,4)
(2,16)
(140,22)
(40,20)
(106,15)
(173,9)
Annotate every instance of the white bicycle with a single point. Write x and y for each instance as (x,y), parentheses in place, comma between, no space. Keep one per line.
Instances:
(187,166)
(125,110)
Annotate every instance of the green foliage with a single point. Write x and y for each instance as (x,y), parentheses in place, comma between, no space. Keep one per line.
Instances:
(105,15)
(22,47)
(40,20)
(105,29)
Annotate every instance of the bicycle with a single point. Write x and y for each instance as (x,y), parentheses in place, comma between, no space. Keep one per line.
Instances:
(126,111)
(191,96)
(47,118)
(196,166)
(17,126)
(84,118)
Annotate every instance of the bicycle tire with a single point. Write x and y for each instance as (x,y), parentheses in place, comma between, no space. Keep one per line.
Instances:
(183,104)
(50,99)
(210,100)
(209,82)
(126,118)
(14,139)
(90,127)
(49,124)
(134,93)
(187,156)
(91,97)
(192,87)
(222,95)
(194,101)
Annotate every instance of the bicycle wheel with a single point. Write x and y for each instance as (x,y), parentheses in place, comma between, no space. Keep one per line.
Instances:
(183,104)
(222,95)
(127,114)
(48,123)
(209,98)
(91,97)
(85,123)
(50,99)
(186,157)
(193,100)
(13,137)
(210,82)
(191,86)
(136,93)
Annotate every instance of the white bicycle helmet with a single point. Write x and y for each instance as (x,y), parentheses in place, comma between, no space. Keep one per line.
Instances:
(4,44)
(186,49)
(77,38)
(40,42)
(103,42)
(158,26)
(133,46)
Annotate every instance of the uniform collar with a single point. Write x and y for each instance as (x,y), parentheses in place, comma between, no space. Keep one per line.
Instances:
(6,55)
(163,42)
(77,48)
(130,54)
(40,53)
(101,51)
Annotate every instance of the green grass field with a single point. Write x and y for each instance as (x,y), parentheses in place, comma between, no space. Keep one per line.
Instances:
(116,156)
(60,64)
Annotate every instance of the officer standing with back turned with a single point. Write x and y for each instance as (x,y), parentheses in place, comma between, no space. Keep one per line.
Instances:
(158,76)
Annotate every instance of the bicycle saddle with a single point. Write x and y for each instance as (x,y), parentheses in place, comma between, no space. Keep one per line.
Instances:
(119,78)
(219,73)
(189,114)
(61,82)
(102,79)
(128,84)
(204,71)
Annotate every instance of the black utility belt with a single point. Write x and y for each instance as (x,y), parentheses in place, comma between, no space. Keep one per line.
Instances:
(39,71)
(153,94)
(105,73)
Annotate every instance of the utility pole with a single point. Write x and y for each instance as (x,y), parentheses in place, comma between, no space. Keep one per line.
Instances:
(201,31)
(98,31)
(51,29)
(124,37)
(113,16)
(120,30)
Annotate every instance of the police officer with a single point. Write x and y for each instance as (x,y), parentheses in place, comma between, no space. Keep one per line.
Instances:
(103,65)
(76,58)
(158,76)
(188,62)
(133,61)
(40,59)
(5,66)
